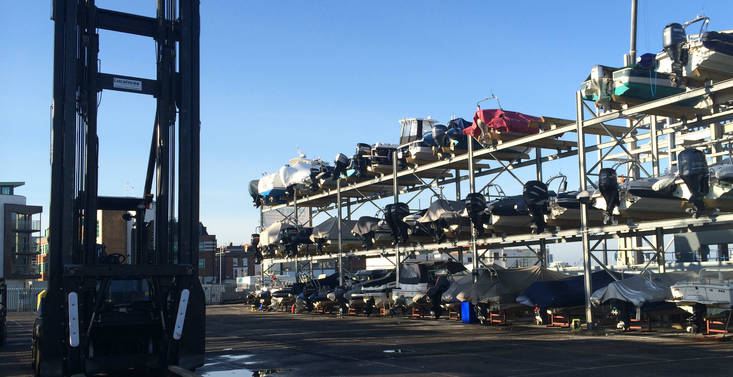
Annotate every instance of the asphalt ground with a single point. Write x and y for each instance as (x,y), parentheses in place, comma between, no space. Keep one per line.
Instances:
(245,343)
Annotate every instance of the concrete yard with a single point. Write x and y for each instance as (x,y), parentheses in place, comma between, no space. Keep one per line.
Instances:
(244,343)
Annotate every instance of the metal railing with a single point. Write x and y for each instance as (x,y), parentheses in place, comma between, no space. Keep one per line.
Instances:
(22,299)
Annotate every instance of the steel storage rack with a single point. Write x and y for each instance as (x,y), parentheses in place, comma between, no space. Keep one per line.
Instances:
(646,125)
(653,131)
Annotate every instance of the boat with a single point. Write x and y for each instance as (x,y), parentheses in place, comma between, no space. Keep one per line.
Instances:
(327,177)
(418,232)
(509,215)
(380,158)
(394,215)
(257,199)
(446,219)
(565,293)
(693,189)
(417,277)
(498,291)
(641,82)
(271,189)
(269,238)
(713,288)
(376,291)
(292,236)
(412,148)
(489,124)
(647,287)
(325,236)
(564,211)
(373,232)
(522,213)
(696,58)
(299,175)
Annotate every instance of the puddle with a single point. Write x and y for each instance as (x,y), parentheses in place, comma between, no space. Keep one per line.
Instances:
(234,365)
(396,351)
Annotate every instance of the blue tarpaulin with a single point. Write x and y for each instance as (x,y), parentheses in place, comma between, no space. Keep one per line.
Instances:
(563,293)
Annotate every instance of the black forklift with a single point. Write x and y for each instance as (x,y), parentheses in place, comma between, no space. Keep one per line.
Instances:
(142,310)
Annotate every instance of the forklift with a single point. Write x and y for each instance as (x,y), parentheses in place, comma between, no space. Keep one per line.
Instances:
(142,310)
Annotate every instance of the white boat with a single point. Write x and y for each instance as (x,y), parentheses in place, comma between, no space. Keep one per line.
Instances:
(697,57)
(713,288)
(413,149)
(271,188)
(300,173)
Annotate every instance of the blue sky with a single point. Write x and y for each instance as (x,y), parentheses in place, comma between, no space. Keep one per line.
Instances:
(320,76)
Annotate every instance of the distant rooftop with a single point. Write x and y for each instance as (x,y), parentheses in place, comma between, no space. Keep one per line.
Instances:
(8,188)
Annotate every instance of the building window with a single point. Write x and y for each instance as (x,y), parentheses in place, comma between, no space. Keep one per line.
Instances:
(235,262)
(202,262)
(5,190)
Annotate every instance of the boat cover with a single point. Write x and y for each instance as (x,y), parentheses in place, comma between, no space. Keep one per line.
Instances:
(329,230)
(502,121)
(415,273)
(329,282)
(564,293)
(568,199)
(271,234)
(718,42)
(441,209)
(509,206)
(502,286)
(367,224)
(641,289)
(298,173)
(269,183)
(506,284)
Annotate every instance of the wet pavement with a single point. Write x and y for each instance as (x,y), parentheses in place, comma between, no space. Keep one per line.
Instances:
(244,343)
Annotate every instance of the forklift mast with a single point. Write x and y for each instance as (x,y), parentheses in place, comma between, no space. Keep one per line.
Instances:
(104,312)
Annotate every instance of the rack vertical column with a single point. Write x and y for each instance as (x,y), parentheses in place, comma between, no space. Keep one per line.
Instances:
(584,210)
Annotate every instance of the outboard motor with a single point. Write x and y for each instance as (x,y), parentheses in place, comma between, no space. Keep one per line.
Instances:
(394,215)
(673,38)
(475,206)
(252,249)
(537,198)
(288,238)
(601,79)
(608,185)
(693,169)
(436,137)
(254,193)
(315,172)
(340,163)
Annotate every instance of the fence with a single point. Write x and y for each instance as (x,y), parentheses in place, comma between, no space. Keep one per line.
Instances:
(22,299)
(25,299)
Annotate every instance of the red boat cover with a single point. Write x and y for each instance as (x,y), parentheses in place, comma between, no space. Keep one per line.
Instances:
(503,121)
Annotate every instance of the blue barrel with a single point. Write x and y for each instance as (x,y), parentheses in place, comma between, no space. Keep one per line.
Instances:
(468,315)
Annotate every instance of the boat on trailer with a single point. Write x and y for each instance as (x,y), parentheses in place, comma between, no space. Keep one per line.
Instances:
(713,288)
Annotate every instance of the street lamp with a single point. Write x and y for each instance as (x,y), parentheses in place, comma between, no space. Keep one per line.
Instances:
(221,256)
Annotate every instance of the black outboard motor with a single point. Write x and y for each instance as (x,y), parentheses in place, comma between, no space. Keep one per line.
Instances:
(288,238)
(608,185)
(254,192)
(340,164)
(537,198)
(475,206)
(252,250)
(673,38)
(693,169)
(315,172)
(394,215)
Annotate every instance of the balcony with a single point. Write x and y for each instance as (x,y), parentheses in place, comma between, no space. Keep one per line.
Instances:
(24,225)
